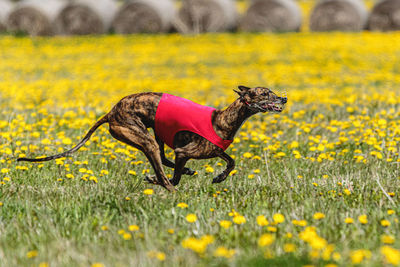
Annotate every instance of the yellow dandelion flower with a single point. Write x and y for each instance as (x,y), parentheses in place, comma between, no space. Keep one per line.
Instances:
(266,240)
(247,155)
(67,141)
(191,218)
(278,218)
(289,247)
(318,216)
(363,219)
(239,219)
(104,172)
(209,169)
(300,222)
(121,231)
(223,252)
(391,255)
(160,256)
(127,236)
(385,223)
(261,220)
(225,224)
(294,144)
(387,239)
(336,256)
(133,228)
(93,178)
(148,191)
(349,220)
(182,205)
(359,255)
(32,254)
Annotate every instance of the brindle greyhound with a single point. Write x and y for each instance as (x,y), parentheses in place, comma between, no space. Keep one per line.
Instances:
(130,118)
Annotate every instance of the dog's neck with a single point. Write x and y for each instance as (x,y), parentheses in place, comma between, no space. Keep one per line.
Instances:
(228,121)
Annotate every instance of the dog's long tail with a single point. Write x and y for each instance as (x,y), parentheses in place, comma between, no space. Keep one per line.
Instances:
(75,148)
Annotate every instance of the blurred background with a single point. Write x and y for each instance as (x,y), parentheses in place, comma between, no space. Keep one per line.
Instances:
(81,17)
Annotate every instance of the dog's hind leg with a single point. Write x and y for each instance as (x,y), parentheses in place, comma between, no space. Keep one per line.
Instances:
(164,160)
(138,136)
(227,171)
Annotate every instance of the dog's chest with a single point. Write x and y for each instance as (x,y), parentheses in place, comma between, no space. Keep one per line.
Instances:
(175,114)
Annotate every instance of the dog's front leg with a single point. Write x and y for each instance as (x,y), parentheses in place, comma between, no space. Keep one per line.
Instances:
(167,162)
(180,162)
(227,171)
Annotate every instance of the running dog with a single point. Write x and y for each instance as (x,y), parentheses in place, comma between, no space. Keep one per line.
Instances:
(192,130)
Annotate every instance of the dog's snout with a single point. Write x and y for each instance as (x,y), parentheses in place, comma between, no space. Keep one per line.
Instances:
(283,100)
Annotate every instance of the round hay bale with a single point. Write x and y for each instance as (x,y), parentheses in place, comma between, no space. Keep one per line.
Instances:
(196,16)
(144,16)
(81,17)
(272,16)
(35,17)
(5,9)
(338,15)
(385,16)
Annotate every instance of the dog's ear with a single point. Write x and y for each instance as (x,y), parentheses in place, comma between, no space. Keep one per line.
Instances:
(240,93)
(243,88)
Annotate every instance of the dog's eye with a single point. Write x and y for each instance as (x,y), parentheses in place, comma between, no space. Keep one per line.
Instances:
(264,93)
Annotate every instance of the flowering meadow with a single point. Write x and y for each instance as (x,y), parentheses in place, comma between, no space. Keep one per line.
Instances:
(316,185)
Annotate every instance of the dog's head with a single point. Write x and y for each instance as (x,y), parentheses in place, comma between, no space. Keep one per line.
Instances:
(261,99)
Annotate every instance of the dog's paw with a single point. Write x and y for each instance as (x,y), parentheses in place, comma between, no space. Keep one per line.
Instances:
(150,179)
(174,183)
(188,171)
(220,178)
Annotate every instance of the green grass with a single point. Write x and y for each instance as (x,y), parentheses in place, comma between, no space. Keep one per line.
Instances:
(342,80)
(62,219)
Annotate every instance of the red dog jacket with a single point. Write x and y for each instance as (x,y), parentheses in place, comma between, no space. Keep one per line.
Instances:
(175,114)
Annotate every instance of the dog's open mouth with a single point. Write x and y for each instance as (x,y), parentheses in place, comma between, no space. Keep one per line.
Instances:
(272,107)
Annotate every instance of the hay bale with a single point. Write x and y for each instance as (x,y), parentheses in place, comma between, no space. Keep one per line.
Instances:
(338,15)
(86,17)
(148,16)
(196,16)
(35,17)
(272,16)
(385,16)
(5,9)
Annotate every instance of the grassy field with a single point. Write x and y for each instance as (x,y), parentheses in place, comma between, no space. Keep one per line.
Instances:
(316,185)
